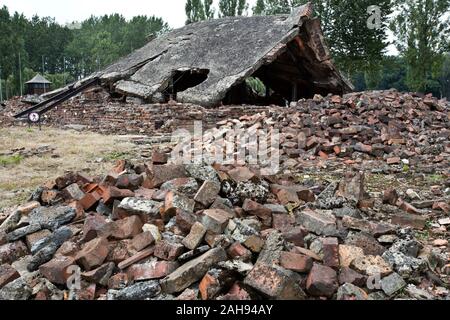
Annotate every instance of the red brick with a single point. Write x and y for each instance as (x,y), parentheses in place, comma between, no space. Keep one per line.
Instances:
(56,271)
(93,254)
(143,240)
(136,258)
(89,200)
(159,157)
(410,220)
(151,270)
(94,226)
(296,262)
(162,173)
(241,174)
(126,228)
(174,201)
(170,251)
(322,281)
(207,193)
(118,281)
(238,251)
(216,220)
(111,193)
(254,208)
(286,196)
(7,274)
(330,252)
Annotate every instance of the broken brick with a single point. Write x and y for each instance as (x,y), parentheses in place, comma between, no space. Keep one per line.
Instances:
(207,193)
(195,237)
(409,220)
(56,270)
(238,251)
(330,247)
(136,258)
(93,253)
(170,251)
(215,220)
(254,208)
(126,228)
(322,281)
(7,274)
(143,240)
(151,270)
(296,262)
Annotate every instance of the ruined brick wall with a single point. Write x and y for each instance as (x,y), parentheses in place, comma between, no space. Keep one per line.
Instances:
(123,118)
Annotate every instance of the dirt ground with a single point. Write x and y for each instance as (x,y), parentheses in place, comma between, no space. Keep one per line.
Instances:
(29,157)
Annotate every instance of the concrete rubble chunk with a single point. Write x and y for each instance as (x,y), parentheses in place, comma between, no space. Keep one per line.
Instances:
(138,291)
(52,217)
(139,206)
(195,237)
(275,282)
(392,284)
(318,221)
(371,266)
(192,271)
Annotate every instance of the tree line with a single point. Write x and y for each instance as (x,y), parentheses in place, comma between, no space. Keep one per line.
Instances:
(357,33)
(64,53)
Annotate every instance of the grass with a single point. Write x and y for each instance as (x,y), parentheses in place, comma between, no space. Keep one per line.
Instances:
(10,160)
(77,151)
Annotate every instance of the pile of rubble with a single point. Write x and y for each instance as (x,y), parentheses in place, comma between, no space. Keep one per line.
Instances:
(394,130)
(187,232)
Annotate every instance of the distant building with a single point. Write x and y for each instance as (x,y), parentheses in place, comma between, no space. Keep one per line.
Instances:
(38,85)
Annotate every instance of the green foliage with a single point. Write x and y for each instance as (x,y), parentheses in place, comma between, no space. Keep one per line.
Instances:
(64,53)
(195,11)
(10,160)
(423,29)
(256,85)
(232,8)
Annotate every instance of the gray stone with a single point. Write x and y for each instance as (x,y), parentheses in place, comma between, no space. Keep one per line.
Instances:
(58,237)
(403,264)
(349,291)
(141,206)
(52,217)
(320,222)
(417,293)
(392,284)
(139,291)
(202,172)
(16,290)
(273,247)
(192,271)
(189,186)
(48,246)
(22,232)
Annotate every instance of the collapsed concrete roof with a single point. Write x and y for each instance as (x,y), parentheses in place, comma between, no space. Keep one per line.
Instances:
(206,62)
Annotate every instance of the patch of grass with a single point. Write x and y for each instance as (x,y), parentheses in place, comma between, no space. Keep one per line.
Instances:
(423,235)
(115,155)
(436,178)
(10,160)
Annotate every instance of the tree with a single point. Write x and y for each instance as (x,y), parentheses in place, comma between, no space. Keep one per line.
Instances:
(195,11)
(422,29)
(232,8)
